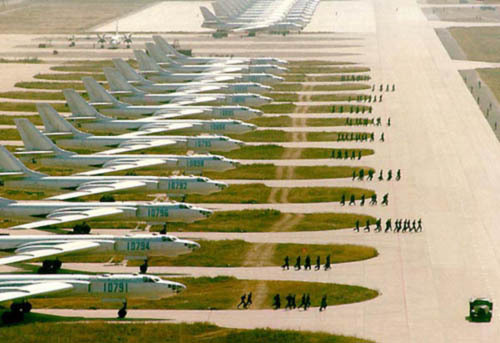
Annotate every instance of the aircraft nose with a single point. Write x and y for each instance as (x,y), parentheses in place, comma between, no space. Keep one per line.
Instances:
(205,213)
(192,245)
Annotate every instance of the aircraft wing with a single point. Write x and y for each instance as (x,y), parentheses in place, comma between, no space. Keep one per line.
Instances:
(171,113)
(126,164)
(159,127)
(70,215)
(194,100)
(221,69)
(8,293)
(199,89)
(213,77)
(39,250)
(91,188)
(138,144)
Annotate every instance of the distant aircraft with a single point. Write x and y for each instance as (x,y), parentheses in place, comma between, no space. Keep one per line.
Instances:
(15,175)
(89,118)
(130,94)
(67,136)
(137,246)
(134,78)
(119,287)
(114,41)
(108,104)
(153,71)
(181,58)
(163,60)
(40,149)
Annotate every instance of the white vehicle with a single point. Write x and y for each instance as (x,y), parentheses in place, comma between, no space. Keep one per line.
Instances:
(181,58)
(143,84)
(119,287)
(152,70)
(108,104)
(89,118)
(132,246)
(67,136)
(172,65)
(130,94)
(40,149)
(15,175)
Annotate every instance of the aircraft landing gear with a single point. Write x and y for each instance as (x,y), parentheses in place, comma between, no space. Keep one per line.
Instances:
(81,229)
(164,230)
(16,313)
(122,313)
(50,267)
(144,267)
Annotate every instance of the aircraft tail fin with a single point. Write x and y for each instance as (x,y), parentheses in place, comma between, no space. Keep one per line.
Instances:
(34,140)
(129,73)
(158,55)
(98,94)
(12,166)
(117,83)
(79,107)
(207,15)
(146,63)
(166,47)
(55,123)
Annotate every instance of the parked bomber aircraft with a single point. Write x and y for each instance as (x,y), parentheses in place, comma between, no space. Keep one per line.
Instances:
(15,175)
(163,60)
(130,94)
(181,58)
(54,213)
(67,136)
(137,246)
(143,84)
(108,104)
(40,149)
(119,287)
(151,70)
(89,118)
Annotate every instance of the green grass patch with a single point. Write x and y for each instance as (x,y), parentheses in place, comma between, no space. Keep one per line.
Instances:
(80,68)
(26,60)
(68,76)
(9,120)
(269,172)
(50,85)
(287,121)
(28,95)
(28,107)
(277,108)
(223,293)
(232,253)
(44,332)
(327,70)
(264,136)
(258,193)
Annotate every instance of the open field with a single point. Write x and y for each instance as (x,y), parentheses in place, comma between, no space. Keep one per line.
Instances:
(283,121)
(478,43)
(283,136)
(233,253)
(65,16)
(278,152)
(259,193)
(251,221)
(266,220)
(45,328)
(334,108)
(224,292)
